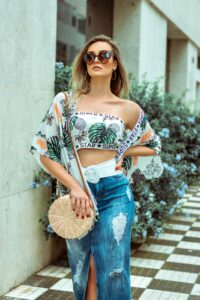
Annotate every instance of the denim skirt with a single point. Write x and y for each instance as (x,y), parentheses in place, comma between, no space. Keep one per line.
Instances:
(108,242)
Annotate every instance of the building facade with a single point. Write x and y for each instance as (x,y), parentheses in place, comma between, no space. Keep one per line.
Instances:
(158,39)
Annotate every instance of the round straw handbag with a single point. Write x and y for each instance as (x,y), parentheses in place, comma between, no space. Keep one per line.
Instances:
(62,218)
(64,222)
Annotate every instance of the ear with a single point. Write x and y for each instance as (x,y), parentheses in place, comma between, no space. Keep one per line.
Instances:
(114,64)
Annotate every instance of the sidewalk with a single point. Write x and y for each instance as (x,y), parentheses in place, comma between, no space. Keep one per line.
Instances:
(169,268)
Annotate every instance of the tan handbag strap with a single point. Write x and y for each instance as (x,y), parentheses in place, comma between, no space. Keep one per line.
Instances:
(75,153)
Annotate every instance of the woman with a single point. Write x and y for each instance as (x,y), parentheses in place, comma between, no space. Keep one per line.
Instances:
(113,139)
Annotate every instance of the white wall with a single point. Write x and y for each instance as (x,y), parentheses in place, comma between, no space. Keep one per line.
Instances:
(153,39)
(27,60)
(126,31)
(141,32)
(184,14)
(183,61)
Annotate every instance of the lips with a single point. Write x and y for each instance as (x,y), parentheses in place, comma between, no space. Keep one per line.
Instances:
(96,68)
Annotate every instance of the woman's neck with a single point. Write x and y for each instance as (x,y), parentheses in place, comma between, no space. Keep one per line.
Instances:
(100,88)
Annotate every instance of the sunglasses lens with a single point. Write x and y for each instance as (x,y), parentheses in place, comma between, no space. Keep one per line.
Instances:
(89,58)
(104,57)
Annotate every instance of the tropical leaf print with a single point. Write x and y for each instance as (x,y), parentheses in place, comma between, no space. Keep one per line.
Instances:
(144,121)
(125,134)
(72,122)
(57,112)
(146,136)
(40,134)
(65,138)
(63,105)
(32,149)
(47,116)
(54,148)
(98,133)
(152,144)
(126,163)
(81,136)
(63,189)
(42,144)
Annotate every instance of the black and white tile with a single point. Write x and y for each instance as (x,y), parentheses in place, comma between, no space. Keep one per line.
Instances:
(166,268)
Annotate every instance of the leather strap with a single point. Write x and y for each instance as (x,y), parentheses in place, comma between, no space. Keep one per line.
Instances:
(75,152)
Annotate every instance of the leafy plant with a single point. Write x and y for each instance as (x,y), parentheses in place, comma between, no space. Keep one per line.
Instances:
(158,199)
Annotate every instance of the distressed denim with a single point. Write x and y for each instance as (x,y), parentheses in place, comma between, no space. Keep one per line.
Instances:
(108,242)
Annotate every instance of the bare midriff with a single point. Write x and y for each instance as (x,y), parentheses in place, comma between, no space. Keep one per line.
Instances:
(94,156)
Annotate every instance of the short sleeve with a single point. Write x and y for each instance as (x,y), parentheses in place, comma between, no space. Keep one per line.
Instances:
(141,135)
(46,140)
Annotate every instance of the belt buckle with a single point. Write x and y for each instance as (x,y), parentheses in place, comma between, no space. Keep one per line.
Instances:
(92,174)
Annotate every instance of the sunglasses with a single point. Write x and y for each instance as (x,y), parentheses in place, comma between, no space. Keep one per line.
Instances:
(103,56)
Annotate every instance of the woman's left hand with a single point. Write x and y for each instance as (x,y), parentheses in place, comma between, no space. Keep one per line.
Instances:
(119,165)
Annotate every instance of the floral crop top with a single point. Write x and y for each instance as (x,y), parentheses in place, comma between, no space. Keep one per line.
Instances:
(97,130)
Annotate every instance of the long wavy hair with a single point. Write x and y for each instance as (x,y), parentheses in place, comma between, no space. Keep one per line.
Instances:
(80,79)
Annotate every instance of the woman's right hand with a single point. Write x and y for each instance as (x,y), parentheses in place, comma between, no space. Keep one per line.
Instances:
(81,203)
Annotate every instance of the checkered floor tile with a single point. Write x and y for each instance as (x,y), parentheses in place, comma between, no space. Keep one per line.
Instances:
(167,267)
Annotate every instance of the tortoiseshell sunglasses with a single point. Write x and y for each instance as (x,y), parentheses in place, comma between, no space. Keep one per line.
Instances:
(103,56)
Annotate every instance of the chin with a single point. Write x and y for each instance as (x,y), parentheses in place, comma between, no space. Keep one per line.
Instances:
(95,75)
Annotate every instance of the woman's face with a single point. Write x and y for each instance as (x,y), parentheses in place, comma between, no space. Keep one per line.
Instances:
(105,69)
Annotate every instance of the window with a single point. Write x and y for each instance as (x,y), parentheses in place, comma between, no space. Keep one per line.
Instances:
(61,52)
(198,62)
(64,12)
(74,16)
(81,24)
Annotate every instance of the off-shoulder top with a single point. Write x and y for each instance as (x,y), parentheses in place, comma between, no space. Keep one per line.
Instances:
(97,130)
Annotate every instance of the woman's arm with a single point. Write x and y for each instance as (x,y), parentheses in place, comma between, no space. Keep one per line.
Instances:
(59,172)
(141,141)
(79,199)
(139,151)
(132,110)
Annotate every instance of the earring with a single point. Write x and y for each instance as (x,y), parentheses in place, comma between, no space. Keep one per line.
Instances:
(115,75)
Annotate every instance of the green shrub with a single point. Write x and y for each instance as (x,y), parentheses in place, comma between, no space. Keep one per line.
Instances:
(156,200)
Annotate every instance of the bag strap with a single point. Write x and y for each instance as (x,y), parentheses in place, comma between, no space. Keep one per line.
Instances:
(75,152)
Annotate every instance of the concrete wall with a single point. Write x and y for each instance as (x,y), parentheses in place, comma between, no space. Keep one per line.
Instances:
(99,18)
(184,14)
(126,31)
(184,33)
(183,61)
(27,59)
(153,39)
(141,32)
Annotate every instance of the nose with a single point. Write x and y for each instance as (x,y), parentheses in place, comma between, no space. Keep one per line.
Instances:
(96,57)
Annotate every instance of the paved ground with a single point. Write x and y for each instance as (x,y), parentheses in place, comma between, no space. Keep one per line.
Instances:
(168,268)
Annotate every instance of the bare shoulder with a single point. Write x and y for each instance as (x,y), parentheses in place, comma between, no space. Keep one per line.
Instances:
(131,110)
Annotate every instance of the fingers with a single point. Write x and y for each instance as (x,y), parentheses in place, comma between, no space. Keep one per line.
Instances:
(73,202)
(81,206)
(118,164)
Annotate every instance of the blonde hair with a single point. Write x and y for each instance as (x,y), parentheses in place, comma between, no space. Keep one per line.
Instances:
(80,80)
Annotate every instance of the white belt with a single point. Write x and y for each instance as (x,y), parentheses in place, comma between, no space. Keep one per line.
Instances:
(93,173)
